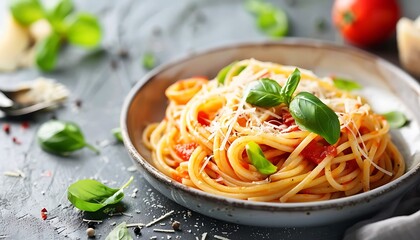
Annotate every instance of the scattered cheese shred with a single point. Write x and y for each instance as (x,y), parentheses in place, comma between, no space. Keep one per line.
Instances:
(220,237)
(160,218)
(163,230)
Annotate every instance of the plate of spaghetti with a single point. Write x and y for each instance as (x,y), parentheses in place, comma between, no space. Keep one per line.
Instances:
(292,133)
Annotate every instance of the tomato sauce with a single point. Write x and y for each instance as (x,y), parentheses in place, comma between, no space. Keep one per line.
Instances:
(184,150)
(317,151)
(203,118)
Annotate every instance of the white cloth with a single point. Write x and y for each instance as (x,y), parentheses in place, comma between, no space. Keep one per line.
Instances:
(398,221)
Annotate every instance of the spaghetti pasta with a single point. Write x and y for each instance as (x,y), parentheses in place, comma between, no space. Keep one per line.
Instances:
(201,141)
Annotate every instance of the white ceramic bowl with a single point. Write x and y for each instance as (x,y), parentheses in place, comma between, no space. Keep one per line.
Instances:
(386,87)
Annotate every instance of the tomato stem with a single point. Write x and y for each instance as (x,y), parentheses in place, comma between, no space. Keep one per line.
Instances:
(348,17)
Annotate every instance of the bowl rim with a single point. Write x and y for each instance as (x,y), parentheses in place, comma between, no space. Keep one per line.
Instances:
(267,206)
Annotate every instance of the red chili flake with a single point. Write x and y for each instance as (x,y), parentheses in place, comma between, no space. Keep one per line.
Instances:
(44,214)
(25,125)
(16,141)
(6,128)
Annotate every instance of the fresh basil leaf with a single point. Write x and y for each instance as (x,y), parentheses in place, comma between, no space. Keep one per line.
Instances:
(26,12)
(274,23)
(47,52)
(84,31)
(396,119)
(61,137)
(90,195)
(289,88)
(264,93)
(149,61)
(120,232)
(257,158)
(221,76)
(222,73)
(62,9)
(117,134)
(312,114)
(271,20)
(57,14)
(346,84)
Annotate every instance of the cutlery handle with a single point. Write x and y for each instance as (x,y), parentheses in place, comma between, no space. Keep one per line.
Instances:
(5,102)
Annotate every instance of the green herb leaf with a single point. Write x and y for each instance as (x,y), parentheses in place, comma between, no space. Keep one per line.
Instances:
(222,73)
(90,195)
(396,119)
(221,76)
(346,84)
(312,114)
(120,232)
(117,134)
(271,20)
(84,31)
(62,9)
(257,158)
(57,14)
(264,93)
(61,137)
(26,12)
(289,88)
(149,61)
(47,51)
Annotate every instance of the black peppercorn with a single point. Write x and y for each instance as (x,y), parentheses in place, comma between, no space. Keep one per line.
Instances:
(176,225)
(137,230)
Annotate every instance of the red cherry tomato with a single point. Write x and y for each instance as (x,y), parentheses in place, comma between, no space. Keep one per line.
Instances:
(365,22)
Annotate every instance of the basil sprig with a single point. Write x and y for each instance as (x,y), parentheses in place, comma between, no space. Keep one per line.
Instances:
(257,158)
(269,19)
(396,119)
(120,232)
(90,195)
(81,29)
(62,138)
(346,84)
(309,112)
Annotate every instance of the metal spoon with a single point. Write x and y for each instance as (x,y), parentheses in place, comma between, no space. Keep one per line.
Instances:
(37,95)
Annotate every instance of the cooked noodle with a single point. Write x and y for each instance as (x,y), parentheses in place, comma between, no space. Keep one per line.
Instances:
(201,141)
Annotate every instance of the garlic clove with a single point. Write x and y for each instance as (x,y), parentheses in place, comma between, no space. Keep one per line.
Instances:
(14,41)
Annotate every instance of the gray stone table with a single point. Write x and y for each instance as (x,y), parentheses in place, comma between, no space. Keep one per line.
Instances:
(99,82)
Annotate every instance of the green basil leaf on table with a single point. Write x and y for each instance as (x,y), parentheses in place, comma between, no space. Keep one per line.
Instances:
(120,232)
(346,84)
(264,93)
(149,61)
(62,9)
(312,114)
(90,195)
(47,52)
(57,14)
(396,119)
(271,20)
(289,88)
(117,134)
(84,31)
(257,158)
(26,12)
(62,138)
